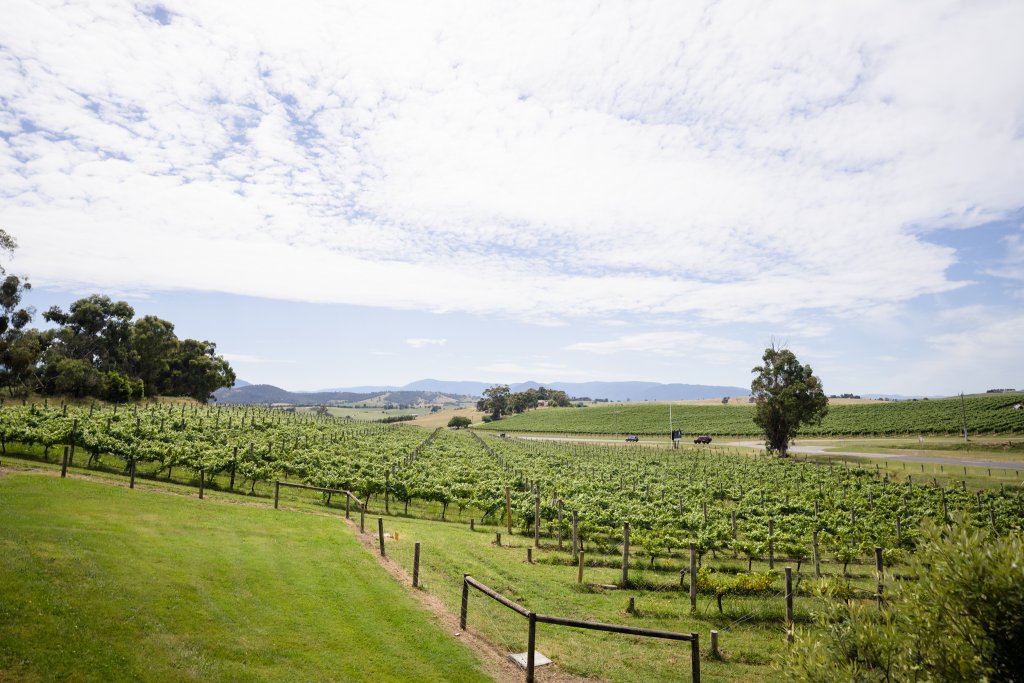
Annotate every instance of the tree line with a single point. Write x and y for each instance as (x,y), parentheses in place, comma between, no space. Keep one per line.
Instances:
(97,348)
(500,400)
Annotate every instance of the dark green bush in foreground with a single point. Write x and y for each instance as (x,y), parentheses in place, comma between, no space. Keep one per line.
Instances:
(962,620)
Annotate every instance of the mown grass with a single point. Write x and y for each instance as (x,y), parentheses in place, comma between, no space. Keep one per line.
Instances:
(1008,449)
(99,583)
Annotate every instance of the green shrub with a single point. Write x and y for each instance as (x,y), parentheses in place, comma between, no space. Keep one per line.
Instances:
(961,620)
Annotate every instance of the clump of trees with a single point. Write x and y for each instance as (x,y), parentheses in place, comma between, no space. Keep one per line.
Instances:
(787,395)
(97,348)
(499,400)
(459,422)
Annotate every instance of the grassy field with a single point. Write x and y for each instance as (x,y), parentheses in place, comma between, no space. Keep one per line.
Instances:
(99,583)
(1009,449)
(424,416)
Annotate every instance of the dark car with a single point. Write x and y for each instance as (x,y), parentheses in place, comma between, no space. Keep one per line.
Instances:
(703,438)
(632,437)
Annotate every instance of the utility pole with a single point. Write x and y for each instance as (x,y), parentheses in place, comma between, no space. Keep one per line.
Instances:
(963,411)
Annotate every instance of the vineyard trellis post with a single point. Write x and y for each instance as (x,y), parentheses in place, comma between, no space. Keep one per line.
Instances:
(817,557)
(74,432)
(560,525)
(732,515)
(536,521)
(789,602)
(693,576)
(625,554)
(508,510)
(575,535)
(878,572)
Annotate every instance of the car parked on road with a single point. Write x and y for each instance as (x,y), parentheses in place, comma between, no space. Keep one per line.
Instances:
(632,437)
(703,438)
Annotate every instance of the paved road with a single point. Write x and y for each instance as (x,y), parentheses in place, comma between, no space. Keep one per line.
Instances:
(808,450)
(823,450)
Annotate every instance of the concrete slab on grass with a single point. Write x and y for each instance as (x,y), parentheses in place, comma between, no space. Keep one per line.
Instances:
(538,659)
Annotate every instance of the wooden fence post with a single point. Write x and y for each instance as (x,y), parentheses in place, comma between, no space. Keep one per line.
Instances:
(531,641)
(380,534)
(579,575)
(202,483)
(465,603)
(64,464)
(416,566)
(131,480)
(695,657)
(362,518)
(234,466)
(714,645)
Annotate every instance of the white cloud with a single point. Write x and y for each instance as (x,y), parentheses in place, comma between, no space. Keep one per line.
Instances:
(682,344)
(1011,266)
(729,161)
(420,342)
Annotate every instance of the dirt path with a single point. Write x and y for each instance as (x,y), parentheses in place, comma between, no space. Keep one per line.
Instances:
(495,660)
(825,450)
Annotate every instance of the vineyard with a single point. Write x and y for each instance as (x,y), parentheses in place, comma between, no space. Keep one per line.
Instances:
(626,510)
(989,414)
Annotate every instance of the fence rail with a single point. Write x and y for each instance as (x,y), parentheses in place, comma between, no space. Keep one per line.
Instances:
(533,618)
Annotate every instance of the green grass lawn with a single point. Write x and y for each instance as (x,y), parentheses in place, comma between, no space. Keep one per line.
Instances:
(1007,449)
(100,583)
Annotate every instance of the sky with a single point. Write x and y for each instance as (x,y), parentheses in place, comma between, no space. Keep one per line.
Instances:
(343,194)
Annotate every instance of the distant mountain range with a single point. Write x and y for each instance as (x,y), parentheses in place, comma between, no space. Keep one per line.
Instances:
(432,390)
